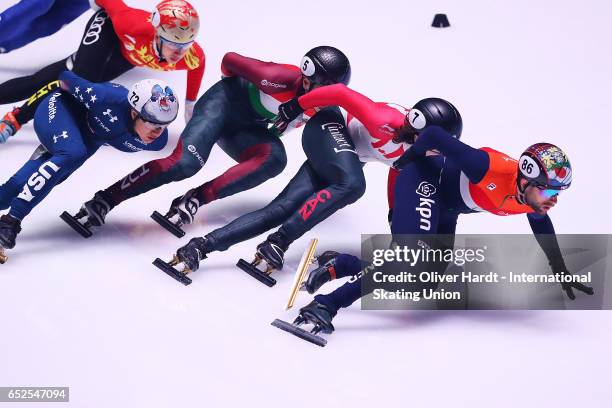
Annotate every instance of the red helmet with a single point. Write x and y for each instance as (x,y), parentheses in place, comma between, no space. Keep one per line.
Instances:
(176,21)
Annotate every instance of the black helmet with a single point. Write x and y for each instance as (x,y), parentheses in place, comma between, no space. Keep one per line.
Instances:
(435,112)
(326,65)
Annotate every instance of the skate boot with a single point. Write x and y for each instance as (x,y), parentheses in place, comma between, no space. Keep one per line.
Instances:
(92,214)
(9,228)
(315,313)
(182,211)
(187,259)
(9,125)
(324,273)
(272,252)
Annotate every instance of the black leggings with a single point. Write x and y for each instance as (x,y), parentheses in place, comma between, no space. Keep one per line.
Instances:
(98,59)
(331,178)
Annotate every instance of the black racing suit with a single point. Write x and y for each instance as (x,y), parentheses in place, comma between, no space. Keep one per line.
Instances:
(330,179)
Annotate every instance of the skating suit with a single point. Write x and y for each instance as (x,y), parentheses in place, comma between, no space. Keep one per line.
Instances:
(371,125)
(332,176)
(136,34)
(29,20)
(71,125)
(235,114)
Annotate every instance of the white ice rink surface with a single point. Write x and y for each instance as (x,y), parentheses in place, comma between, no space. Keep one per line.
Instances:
(95,315)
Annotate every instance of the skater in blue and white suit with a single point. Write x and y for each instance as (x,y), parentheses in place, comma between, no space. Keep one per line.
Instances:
(71,125)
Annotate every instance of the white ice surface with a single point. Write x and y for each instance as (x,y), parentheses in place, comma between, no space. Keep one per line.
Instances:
(95,315)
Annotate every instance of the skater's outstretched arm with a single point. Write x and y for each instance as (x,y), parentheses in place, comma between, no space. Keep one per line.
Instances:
(29,20)
(544,233)
(368,112)
(75,85)
(380,119)
(473,162)
(118,11)
(269,77)
(23,11)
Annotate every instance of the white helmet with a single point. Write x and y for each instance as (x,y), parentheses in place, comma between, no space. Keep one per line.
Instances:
(154,101)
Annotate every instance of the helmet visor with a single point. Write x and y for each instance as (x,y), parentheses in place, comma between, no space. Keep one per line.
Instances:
(548,193)
(157,127)
(181,47)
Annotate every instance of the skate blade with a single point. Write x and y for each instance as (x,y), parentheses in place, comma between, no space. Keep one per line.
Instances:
(76,225)
(261,276)
(179,276)
(299,332)
(167,225)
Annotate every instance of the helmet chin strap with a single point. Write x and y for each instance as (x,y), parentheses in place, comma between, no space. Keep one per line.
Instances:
(520,197)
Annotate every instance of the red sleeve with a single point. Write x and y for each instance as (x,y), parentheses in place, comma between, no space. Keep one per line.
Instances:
(393,173)
(358,105)
(269,77)
(113,6)
(127,20)
(196,61)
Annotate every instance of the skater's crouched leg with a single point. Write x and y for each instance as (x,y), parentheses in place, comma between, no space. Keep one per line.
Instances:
(352,189)
(272,160)
(178,166)
(257,222)
(256,164)
(184,162)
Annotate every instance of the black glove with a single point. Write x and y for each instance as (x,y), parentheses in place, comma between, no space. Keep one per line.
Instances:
(405,159)
(287,112)
(560,269)
(192,253)
(390,216)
